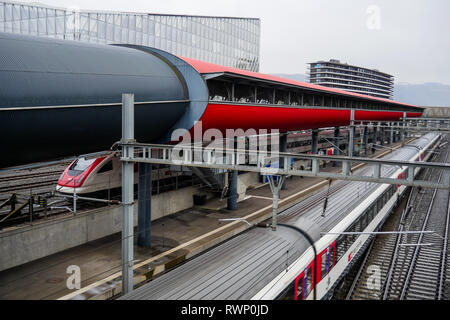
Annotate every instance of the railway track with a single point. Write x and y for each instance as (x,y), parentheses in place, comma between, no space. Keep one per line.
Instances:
(410,266)
(29,176)
(28,185)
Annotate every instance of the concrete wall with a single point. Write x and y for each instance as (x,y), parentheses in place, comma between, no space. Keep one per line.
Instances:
(44,238)
(245,181)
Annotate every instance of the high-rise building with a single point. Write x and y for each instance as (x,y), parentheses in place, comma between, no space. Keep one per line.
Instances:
(347,77)
(227,41)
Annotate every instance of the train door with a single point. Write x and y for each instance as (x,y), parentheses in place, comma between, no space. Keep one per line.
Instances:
(327,260)
(304,283)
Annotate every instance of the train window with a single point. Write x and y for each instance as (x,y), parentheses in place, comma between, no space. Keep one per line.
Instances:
(325,263)
(364,221)
(324,267)
(288,293)
(264,95)
(299,284)
(340,247)
(332,256)
(308,281)
(107,167)
(244,93)
(81,164)
(219,90)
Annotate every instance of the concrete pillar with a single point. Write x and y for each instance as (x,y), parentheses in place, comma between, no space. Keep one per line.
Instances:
(374,139)
(336,145)
(283,148)
(145,205)
(232,190)
(383,135)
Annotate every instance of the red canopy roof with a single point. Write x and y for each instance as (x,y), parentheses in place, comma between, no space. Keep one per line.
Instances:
(206,67)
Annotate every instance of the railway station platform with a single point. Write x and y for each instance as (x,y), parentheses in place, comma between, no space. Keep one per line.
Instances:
(175,238)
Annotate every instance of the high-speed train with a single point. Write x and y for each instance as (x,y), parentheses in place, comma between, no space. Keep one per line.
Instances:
(264,264)
(88,175)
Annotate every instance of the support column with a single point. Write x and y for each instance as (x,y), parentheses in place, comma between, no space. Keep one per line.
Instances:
(365,138)
(145,205)
(232,190)
(374,139)
(232,182)
(127,193)
(391,135)
(314,142)
(336,145)
(275,183)
(383,137)
(404,129)
(283,148)
(351,134)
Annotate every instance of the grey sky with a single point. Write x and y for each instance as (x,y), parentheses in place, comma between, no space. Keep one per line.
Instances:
(412,42)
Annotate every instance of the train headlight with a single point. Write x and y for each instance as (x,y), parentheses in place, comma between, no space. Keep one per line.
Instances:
(78,181)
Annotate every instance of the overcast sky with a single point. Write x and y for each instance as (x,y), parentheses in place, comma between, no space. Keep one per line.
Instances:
(406,38)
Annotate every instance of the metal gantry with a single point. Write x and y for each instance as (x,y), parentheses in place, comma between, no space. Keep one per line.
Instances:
(227,159)
(276,165)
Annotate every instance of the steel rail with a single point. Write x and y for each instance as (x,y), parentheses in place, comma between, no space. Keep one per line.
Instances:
(358,275)
(419,241)
(444,255)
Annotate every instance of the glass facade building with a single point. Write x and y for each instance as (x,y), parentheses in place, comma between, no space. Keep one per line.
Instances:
(227,41)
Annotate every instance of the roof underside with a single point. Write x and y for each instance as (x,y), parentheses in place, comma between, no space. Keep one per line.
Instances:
(215,70)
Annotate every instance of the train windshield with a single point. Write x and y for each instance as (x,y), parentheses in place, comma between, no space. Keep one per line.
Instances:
(80,165)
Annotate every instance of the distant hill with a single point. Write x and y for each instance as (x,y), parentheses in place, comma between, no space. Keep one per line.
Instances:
(294,76)
(424,94)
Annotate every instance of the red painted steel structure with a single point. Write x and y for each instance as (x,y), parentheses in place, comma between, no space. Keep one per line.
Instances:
(228,115)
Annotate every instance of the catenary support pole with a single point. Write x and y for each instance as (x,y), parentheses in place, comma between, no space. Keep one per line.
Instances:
(127,193)
(336,145)
(374,138)
(365,138)
(391,134)
(275,183)
(283,148)
(314,142)
(145,205)
(346,165)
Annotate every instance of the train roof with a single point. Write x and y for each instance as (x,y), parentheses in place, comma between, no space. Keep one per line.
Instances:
(239,268)
(211,68)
